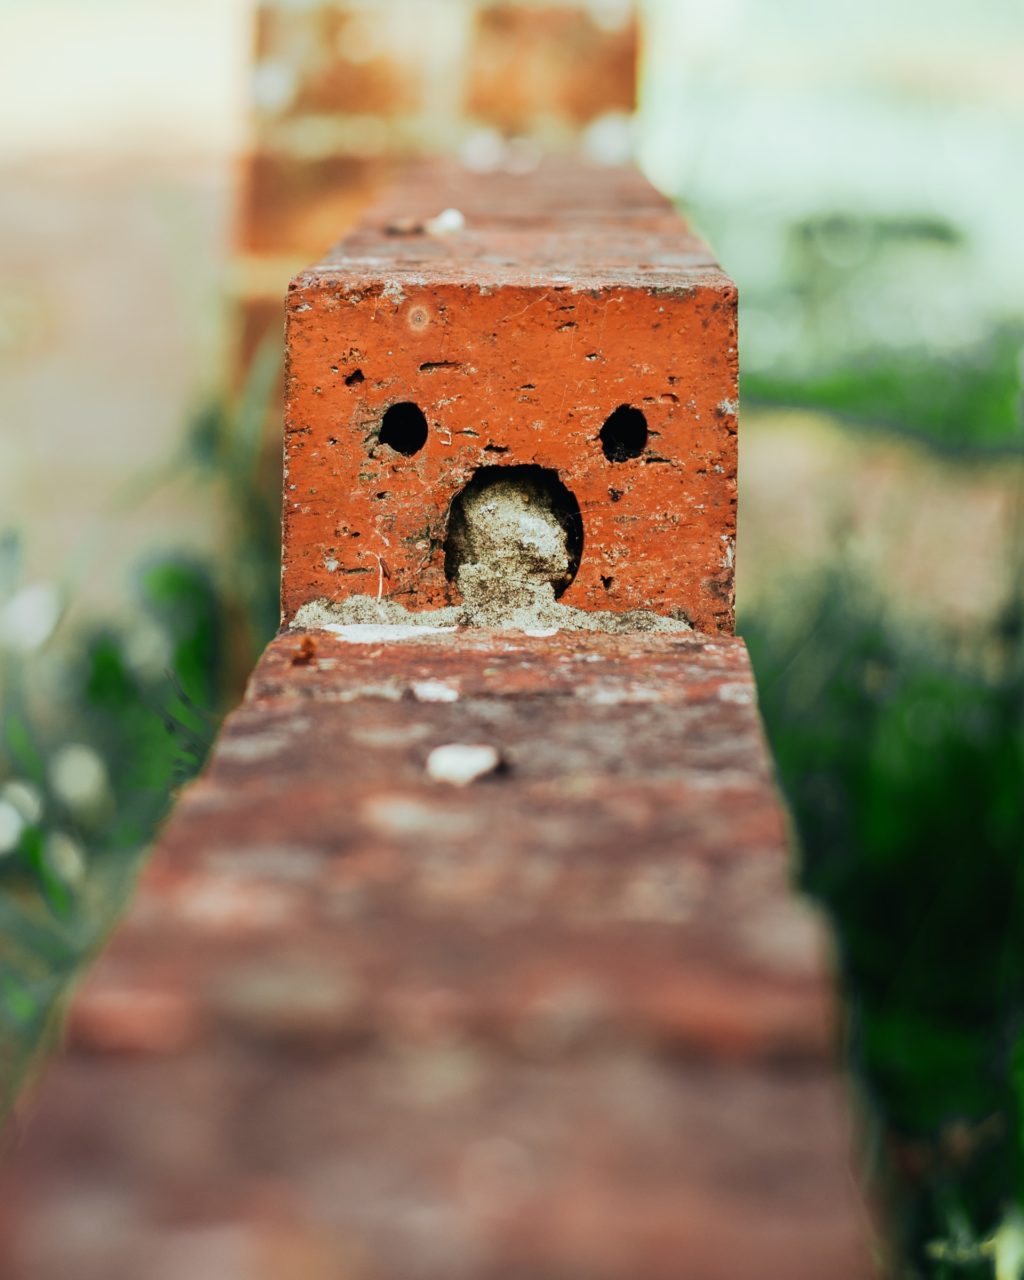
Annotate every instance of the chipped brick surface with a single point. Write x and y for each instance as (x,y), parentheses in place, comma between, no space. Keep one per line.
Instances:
(566,1023)
(570,294)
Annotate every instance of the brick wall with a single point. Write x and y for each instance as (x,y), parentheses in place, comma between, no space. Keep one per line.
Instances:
(473,955)
(342,88)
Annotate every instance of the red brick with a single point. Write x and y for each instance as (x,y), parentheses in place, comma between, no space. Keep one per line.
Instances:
(567,1022)
(340,61)
(297,206)
(570,293)
(259,320)
(530,63)
(523,67)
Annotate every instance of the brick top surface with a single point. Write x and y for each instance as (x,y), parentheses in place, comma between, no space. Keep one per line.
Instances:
(566,1022)
(564,223)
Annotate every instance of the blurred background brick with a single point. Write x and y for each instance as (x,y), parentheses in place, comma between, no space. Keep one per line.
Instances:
(341,88)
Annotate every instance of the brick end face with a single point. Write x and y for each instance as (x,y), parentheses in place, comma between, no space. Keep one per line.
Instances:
(518,343)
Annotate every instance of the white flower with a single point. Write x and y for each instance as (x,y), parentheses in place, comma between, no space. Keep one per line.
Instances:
(25,798)
(29,618)
(78,776)
(12,824)
(65,857)
(148,650)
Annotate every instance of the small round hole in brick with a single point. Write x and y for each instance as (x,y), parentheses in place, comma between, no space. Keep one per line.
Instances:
(624,435)
(404,428)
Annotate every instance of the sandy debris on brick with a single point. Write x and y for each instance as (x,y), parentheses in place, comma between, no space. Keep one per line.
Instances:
(367,619)
(513,555)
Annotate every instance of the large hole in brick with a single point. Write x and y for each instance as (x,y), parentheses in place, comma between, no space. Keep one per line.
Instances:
(404,428)
(514,526)
(624,435)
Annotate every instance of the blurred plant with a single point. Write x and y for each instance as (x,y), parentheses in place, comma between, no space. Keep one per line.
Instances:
(97,729)
(903,761)
(878,318)
(963,401)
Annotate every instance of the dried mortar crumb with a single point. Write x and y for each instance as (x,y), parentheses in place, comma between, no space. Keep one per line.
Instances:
(508,537)
(543,613)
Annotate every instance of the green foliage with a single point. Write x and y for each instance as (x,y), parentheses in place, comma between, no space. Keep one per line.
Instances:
(92,786)
(98,732)
(880,318)
(966,400)
(903,763)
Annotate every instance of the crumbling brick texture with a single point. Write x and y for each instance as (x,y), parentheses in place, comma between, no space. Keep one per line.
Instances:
(572,296)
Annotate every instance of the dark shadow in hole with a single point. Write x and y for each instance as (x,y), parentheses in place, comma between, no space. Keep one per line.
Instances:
(624,435)
(549,492)
(404,428)
(354,378)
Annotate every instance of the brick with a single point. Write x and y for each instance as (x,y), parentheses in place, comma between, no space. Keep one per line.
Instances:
(564,1020)
(293,205)
(258,321)
(567,1022)
(530,63)
(356,59)
(518,67)
(570,294)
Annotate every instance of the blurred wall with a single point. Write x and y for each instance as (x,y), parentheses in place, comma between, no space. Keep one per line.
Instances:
(904,114)
(343,88)
(118,123)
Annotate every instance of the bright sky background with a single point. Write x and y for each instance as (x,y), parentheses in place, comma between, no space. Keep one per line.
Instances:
(122,75)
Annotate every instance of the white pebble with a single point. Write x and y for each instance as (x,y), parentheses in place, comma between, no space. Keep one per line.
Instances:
(434,691)
(447,223)
(461,763)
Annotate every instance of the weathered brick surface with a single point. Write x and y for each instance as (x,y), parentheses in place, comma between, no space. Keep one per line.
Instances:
(531,64)
(566,1023)
(569,294)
